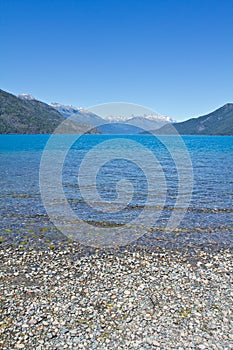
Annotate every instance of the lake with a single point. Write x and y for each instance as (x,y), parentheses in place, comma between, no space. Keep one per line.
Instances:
(112,183)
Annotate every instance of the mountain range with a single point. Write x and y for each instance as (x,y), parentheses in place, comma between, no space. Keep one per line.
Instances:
(26,115)
(114,124)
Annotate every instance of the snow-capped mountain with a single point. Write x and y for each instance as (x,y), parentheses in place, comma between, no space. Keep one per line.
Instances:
(83,115)
(145,122)
(26,97)
(149,122)
(121,118)
(66,111)
(115,118)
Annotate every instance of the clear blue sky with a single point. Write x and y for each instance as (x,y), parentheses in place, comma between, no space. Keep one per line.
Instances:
(174,56)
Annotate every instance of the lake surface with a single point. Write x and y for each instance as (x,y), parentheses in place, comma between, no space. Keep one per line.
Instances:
(207,220)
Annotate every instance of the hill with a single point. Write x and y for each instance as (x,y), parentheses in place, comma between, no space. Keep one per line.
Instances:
(23,115)
(219,122)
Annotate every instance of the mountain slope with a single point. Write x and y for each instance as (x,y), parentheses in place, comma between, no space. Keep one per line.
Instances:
(219,122)
(82,115)
(119,128)
(29,116)
(147,123)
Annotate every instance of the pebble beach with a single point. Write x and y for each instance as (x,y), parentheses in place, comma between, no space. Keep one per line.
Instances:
(65,298)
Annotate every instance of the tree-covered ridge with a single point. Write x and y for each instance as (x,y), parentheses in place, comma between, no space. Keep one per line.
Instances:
(219,122)
(21,116)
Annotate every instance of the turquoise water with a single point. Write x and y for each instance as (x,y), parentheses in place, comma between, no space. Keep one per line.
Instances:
(207,220)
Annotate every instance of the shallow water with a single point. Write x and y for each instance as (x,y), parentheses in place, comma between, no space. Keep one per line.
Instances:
(207,219)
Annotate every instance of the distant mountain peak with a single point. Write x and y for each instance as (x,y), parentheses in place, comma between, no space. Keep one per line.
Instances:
(156,117)
(26,97)
(82,114)
(56,104)
(68,109)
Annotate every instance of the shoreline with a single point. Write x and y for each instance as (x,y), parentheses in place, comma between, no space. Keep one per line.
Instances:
(131,299)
